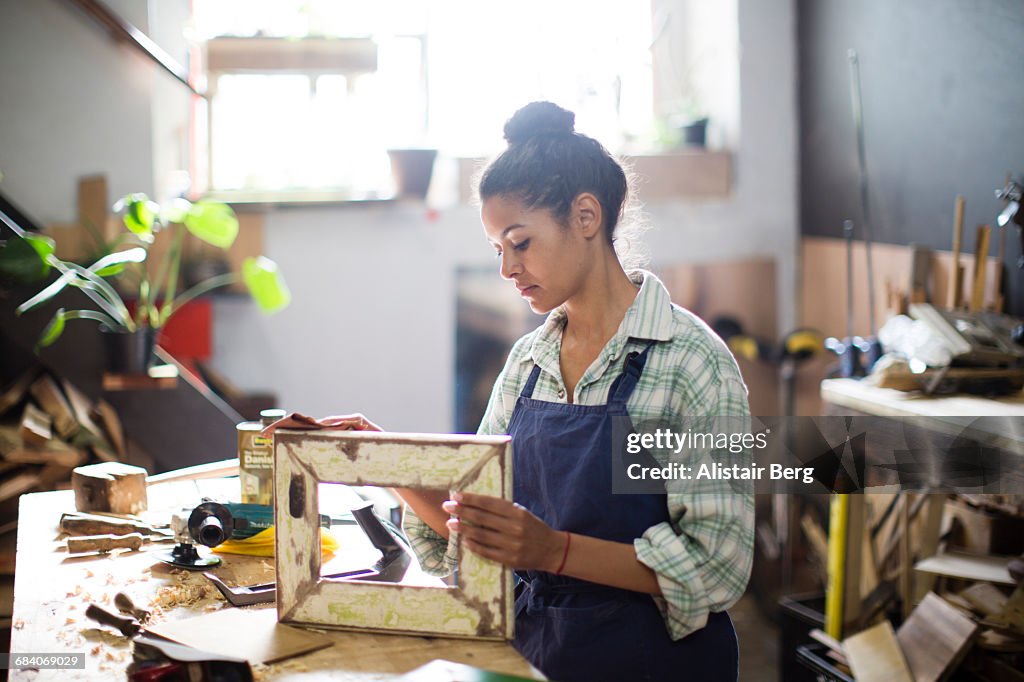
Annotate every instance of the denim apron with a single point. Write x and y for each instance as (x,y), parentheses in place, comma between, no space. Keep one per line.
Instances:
(572,629)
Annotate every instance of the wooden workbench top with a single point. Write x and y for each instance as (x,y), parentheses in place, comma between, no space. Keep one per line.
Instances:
(52,591)
(888,402)
(991,422)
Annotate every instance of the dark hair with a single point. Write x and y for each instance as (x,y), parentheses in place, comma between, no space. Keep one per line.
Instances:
(548,164)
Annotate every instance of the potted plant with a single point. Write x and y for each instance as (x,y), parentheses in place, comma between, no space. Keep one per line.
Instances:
(153,288)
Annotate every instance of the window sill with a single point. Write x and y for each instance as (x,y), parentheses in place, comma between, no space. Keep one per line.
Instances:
(689,174)
(251,201)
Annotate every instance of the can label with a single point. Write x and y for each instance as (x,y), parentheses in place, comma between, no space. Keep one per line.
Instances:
(255,464)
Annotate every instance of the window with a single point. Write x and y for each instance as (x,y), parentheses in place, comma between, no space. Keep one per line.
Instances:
(447,74)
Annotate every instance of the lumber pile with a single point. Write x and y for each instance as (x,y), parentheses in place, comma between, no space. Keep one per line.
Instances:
(47,428)
(948,571)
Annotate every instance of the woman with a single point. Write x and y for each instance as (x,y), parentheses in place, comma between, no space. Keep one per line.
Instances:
(623,587)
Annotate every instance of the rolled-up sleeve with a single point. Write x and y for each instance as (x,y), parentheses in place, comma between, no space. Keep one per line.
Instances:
(702,556)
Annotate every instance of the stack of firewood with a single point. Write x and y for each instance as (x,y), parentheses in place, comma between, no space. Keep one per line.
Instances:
(47,428)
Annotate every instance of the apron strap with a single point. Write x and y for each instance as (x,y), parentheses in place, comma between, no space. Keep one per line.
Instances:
(624,384)
(531,382)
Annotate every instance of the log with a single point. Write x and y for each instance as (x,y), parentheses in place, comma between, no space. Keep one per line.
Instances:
(110,487)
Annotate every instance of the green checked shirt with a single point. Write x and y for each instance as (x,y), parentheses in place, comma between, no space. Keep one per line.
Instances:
(702,555)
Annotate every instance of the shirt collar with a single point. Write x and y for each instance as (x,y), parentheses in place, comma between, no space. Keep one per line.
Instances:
(648,318)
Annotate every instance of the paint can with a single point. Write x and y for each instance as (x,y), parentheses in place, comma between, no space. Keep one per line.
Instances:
(255,464)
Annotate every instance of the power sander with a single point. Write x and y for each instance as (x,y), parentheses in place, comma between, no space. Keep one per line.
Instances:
(211,524)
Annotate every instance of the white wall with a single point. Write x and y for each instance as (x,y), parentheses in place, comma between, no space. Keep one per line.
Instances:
(372,325)
(72,103)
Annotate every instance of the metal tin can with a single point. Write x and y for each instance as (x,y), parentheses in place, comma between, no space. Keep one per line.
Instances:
(255,464)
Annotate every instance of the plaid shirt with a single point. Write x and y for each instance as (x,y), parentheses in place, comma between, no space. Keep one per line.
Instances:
(702,555)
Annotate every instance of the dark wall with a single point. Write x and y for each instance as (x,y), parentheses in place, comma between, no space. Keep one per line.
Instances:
(943,93)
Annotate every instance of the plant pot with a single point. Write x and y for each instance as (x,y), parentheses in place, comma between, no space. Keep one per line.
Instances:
(695,133)
(129,352)
(412,169)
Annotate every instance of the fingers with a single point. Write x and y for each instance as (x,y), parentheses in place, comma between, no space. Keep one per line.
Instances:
(482,536)
(508,521)
(352,422)
(493,504)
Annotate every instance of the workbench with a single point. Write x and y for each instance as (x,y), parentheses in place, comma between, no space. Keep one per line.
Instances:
(53,589)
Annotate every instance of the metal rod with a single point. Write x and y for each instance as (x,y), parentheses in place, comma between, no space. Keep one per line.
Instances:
(858,122)
(848,233)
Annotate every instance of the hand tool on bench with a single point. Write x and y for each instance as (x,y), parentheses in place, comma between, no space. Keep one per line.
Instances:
(81,523)
(155,655)
(104,543)
(125,605)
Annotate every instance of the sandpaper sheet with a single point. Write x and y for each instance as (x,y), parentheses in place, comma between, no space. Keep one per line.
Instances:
(252,634)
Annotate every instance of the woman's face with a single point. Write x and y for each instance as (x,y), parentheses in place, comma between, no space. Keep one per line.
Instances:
(544,259)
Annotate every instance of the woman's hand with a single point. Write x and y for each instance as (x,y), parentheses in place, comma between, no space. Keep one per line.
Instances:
(505,532)
(352,422)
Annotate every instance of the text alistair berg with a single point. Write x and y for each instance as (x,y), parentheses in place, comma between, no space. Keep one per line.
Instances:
(665,439)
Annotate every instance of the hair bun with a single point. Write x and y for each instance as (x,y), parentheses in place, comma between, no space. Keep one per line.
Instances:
(537,119)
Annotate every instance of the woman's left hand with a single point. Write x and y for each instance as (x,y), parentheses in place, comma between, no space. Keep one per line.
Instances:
(505,532)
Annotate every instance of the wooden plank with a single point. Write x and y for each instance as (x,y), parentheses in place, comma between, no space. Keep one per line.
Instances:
(986,598)
(48,395)
(875,655)
(106,417)
(854,587)
(19,483)
(15,392)
(935,639)
(35,427)
(54,451)
(958,565)
(81,407)
(956,286)
(980,257)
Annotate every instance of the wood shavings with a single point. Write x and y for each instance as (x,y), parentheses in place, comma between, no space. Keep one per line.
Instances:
(70,621)
(262,671)
(19,624)
(183,593)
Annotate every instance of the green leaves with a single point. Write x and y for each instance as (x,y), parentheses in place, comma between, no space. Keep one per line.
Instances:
(265,284)
(52,331)
(25,259)
(213,222)
(210,221)
(139,214)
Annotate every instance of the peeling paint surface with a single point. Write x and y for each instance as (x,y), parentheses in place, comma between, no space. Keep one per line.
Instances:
(480,607)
